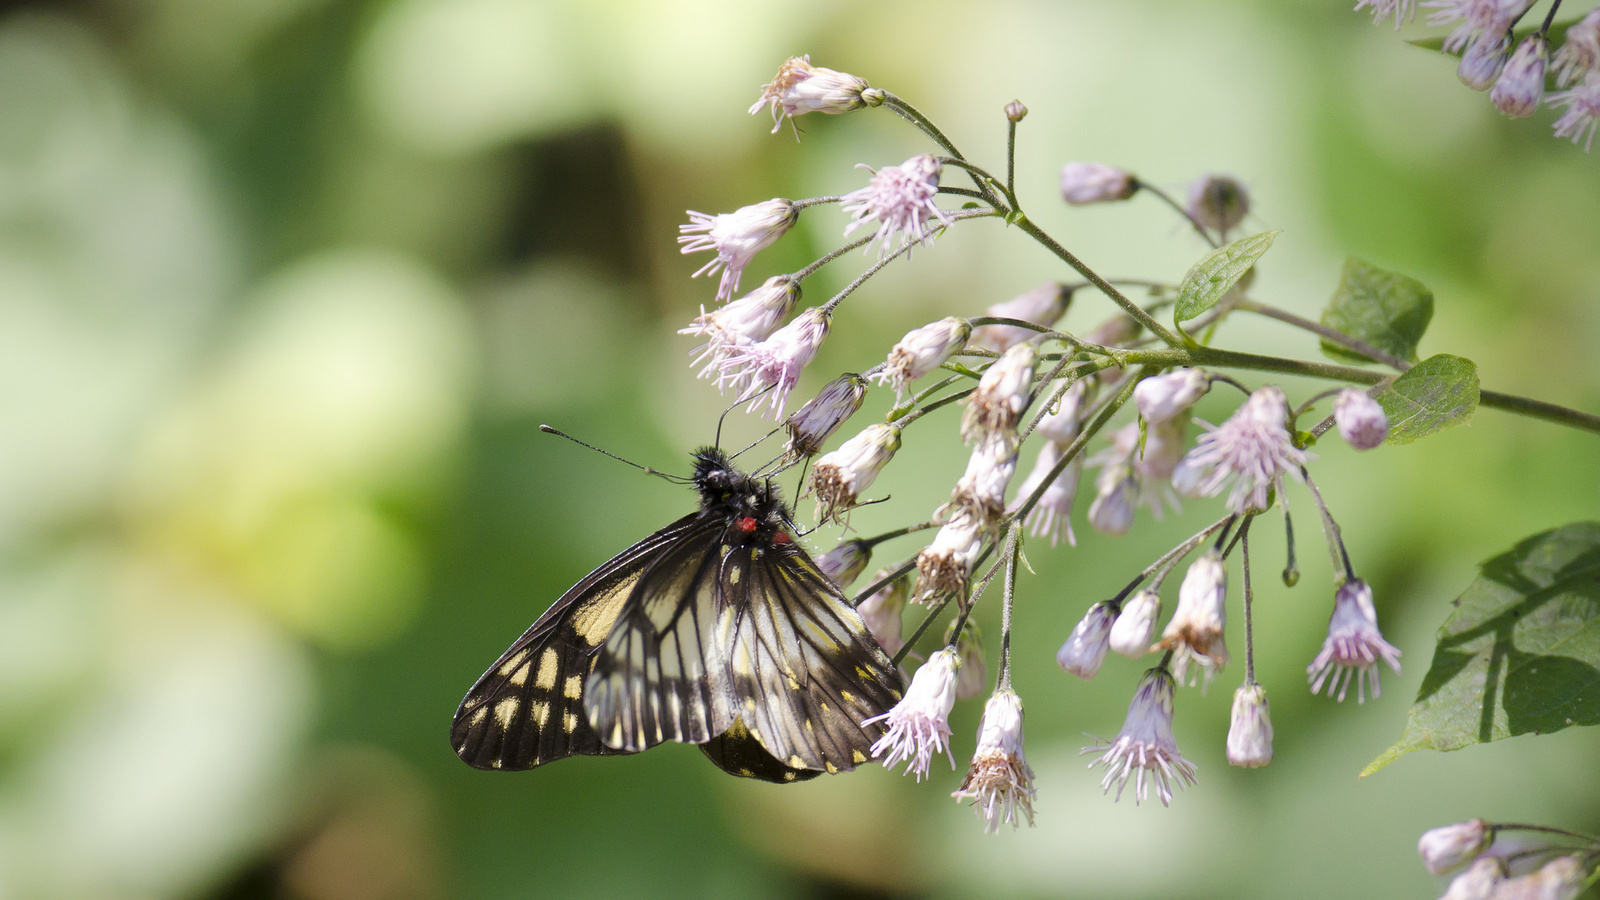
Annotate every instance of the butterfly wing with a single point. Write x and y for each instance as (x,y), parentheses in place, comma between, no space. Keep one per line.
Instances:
(737,752)
(803,665)
(527,709)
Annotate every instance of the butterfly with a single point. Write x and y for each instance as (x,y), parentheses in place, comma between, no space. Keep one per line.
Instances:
(717,630)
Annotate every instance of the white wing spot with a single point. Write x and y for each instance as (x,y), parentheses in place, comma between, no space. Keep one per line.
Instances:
(573,689)
(504,710)
(512,663)
(548,664)
(569,722)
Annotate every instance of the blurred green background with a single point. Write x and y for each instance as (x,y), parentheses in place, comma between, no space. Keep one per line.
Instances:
(287,286)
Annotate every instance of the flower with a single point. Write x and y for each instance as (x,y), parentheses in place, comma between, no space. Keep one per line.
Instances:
(1360,418)
(1250,731)
(1145,749)
(982,489)
(811,425)
(1251,451)
(1521,84)
(751,318)
(999,782)
(972,675)
(1052,515)
(1353,647)
(881,611)
(775,364)
(1136,624)
(1478,882)
(1115,490)
(1483,60)
(844,563)
(1061,422)
(921,351)
(1042,306)
(1155,463)
(1477,18)
(800,88)
(919,725)
(1561,878)
(1401,10)
(1218,202)
(944,566)
(1583,111)
(1168,396)
(839,477)
(1085,650)
(901,199)
(1450,847)
(1083,183)
(736,237)
(1580,50)
(1196,628)
(1015,111)
(1001,395)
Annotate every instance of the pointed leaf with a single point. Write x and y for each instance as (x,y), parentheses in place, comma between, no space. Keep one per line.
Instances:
(1435,394)
(1216,273)
(1520,654)
(1383,309)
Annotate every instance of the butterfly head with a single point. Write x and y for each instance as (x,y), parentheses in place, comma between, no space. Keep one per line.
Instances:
(748,504)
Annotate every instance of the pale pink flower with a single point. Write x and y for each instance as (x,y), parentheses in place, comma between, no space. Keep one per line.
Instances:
(1085,650)
(1361,419)
(1582,117)
(1145,750)
(801,88)
(1043,306)
(919,725)
(736,237)
(1483,60)
(972,674)
(1401,10)
(1136,624)
(811,425)
(921,351)
(1252,451)
(1083,183)
(1052,515)
(982,488)
(1061,422)
(1196,628)
(1521,83)
(1250,729)
(751,318)
(1002,394)
(1580,50)
(882,612)
(845,562)
(945,565)
(1169,396)
(999,782)
(1111,512)
(1479,880)
(1354,646)
(1449,847)
(773,366)
(1477,18)
(839,477)
(901,198)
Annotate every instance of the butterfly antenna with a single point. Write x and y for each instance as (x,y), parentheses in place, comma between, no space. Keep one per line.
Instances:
(675,479)
(752,398)
(753,444)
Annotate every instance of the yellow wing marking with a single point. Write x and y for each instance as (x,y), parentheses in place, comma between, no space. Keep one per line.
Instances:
(549,664)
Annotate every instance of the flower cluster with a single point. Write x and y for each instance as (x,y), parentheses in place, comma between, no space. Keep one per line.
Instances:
(1544,864)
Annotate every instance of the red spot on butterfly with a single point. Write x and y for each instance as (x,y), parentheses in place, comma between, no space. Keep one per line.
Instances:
(748,525)
(782,537)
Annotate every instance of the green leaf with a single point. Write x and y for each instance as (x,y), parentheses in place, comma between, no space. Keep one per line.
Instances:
(1433,395)
(1216,273)
(1383,309)
(1520,654)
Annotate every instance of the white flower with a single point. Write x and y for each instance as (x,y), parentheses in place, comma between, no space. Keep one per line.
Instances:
(919,725)
(1360,418)
(881,612)
(1042,306)
(982,489)
(1136,624)
(1085,650)
(1002,394)
(1250,731)
(800,88)
(1115,490)
(751,318)
(972,674)
(1478,882)
(901,198)
(1580,50)
(1561,878)
(1061,422)
(1477,18)
(1353,647)
(1095,183)
(811,425)
(1196,628)
(845,562)
(921,351)
(1401,10)
(1169,396)
(1582,117)
(736,237)
(1145,749)
(1218,202)
(1252,451)
(999,782)
(774,365)
(1052,515)
(1163,449)
(944,566)
(1450,847)
(1521,84)
(839,477)
(1483,60)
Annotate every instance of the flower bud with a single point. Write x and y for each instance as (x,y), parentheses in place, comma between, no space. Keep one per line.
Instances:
(1136,624)
(881,611)
(811,425)
(845,562)
(1360,418)
(1482,61)
(1002,393)
(1083,183)
(736,237)
(1450,847)
(1218,202)
(1561,878)
(972,676)
(800,88)
(1250,732)
(1521,84)
(839,477)
(1061,422)
(1043,306)
(1112,509)
(1085,650)
(1168,396)
(923,350)
(1015,111)
(982,489)
(1580,50)
(1196,628)
(1478,881)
